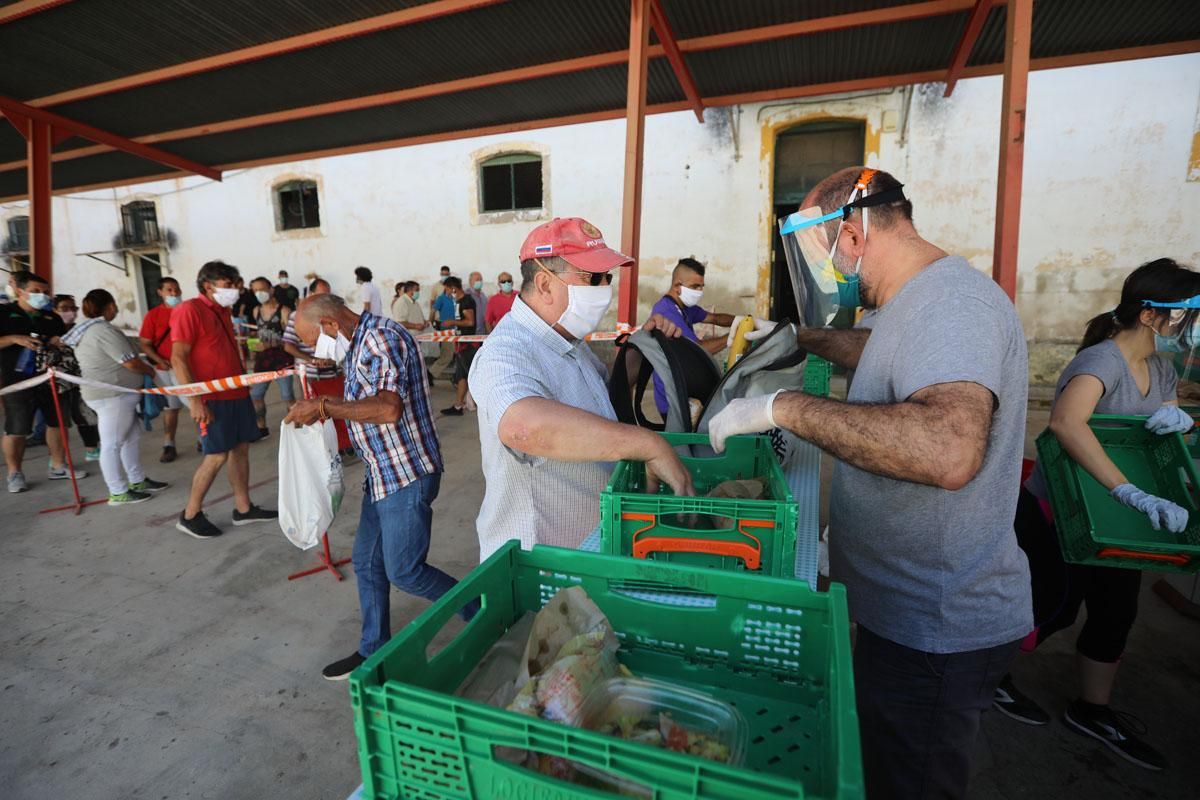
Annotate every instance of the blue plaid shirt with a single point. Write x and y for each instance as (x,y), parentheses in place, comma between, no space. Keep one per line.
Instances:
(384,357)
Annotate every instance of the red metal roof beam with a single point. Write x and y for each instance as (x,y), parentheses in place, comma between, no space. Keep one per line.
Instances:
(966,44)
(666,37)
(14,11)
(61,125)
(395,19)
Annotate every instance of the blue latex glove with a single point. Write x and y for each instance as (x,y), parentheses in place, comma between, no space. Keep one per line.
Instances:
(1162,513)
(1170,419)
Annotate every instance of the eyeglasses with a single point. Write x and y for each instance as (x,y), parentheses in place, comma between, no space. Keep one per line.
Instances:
(594,278)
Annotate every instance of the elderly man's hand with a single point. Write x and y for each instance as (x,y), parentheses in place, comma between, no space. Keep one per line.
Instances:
(304,412)
(664,465)
(663,325)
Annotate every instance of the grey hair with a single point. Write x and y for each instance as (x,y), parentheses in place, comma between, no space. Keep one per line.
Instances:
(530,268)
(316,306)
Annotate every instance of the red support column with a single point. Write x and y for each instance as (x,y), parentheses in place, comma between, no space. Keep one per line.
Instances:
(1012,143)
(635,131)
(41,136)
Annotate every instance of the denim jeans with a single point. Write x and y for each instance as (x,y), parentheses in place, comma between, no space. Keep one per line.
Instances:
(390,548)
(919,714)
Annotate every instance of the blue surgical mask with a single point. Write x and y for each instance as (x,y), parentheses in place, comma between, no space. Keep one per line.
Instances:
(172,300)
(848,291)
(417,295)
(1168,344)
(506,286)
(39,300)
(477,285)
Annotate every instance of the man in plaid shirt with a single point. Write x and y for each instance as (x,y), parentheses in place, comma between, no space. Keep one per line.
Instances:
(386,408)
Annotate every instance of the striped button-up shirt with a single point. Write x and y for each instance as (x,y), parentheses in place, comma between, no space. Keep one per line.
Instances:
(383,357)
(533,499)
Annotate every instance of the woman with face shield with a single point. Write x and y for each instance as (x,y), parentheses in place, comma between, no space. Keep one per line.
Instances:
(1123,366)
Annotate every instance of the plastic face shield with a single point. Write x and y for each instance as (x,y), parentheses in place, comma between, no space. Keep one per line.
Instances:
(814,280)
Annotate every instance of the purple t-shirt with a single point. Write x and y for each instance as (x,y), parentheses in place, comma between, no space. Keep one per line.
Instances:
(685,317)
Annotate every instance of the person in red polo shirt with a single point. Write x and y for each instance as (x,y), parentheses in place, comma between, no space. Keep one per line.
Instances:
(204,347)
(155,339)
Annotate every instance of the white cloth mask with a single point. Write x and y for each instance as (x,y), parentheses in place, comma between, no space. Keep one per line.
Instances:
(586,306)
(332,349)
(262,297)
(226,296)
(690,297)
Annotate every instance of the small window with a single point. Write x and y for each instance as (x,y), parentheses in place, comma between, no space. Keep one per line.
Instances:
(139,223)
(511,182)
(18,235)
(298,205)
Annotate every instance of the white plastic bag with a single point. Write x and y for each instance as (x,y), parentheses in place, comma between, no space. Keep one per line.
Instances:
(310,481)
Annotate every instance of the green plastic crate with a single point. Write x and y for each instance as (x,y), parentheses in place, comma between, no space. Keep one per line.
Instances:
(816,375)
(1093,528)
(646,526)
(1192,437)
(776,649)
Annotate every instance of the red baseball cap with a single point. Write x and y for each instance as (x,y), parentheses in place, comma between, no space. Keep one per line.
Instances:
(576,241)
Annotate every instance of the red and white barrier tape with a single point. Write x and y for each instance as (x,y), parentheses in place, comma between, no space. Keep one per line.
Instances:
(446,336)
(187,390)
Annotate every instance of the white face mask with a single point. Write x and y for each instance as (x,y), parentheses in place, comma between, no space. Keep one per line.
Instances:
(586,306)
(283,281)
(262,297)
(172,300)
(67,316)
(330,348)
(39,300)
(226,296)
(689,296)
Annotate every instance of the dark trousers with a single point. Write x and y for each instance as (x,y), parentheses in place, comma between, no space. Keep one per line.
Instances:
(1060,589)
(919,714)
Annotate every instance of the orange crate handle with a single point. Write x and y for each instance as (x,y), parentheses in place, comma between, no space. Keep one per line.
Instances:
(1178,559)
(750,554)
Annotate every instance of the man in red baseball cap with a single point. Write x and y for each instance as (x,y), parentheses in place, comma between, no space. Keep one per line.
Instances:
(547,430)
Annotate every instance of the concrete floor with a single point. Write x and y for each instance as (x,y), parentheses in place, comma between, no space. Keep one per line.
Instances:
(141,663)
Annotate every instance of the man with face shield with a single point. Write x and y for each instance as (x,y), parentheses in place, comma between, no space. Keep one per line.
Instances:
(386,407)
(547,430)
(929,445)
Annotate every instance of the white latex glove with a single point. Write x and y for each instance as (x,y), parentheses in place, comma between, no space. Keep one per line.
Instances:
(744,415)
(1162,513)
(1170,419)
(761,328)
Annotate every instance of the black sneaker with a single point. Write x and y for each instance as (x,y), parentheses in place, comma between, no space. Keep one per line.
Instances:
(1118,731)
(198,526)
(148,485)
(168,454)
(255,514)
(1011,702)
(452,411)
(340,670)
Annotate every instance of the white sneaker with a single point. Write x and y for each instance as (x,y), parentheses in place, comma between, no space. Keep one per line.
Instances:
(16,482)
(62,474)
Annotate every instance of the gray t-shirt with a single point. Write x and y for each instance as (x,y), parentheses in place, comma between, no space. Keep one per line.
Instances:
(931,569)
(100,353)
(1105,362)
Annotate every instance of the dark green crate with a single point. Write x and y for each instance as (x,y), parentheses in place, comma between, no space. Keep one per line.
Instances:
(1192,437)
(1093,528)
(817,372)
(776,649)
(627,513)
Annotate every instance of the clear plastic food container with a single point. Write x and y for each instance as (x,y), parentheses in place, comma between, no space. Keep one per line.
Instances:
(662,715)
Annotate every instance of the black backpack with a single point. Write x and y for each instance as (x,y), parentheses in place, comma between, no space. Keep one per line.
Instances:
(686,369)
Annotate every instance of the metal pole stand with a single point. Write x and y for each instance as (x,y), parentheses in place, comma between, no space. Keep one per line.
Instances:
(79,504)
(326,562)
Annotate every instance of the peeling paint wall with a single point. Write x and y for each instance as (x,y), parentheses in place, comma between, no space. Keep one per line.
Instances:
(1110,166)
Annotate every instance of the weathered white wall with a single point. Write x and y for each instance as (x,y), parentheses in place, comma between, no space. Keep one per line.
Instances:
(1105,188)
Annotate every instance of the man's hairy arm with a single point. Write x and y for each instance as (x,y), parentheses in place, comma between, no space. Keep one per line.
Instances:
(937,437)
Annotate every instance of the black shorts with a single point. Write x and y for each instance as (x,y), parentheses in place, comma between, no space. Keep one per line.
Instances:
(21,407)
(233,422)
(462,363)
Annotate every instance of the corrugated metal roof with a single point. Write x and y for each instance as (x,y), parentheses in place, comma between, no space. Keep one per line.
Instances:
(83,43)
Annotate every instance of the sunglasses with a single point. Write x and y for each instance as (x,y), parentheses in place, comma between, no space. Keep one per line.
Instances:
(594,278)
